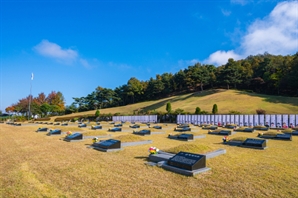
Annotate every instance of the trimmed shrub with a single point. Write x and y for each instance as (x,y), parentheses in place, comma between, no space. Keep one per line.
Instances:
(198,110)
(261,111)
(214,109)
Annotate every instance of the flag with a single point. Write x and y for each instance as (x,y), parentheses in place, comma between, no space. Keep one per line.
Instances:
(31,76)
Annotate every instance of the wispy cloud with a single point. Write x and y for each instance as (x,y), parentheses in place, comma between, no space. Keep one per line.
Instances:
(275,34)
(226,12)
(52,50)
(241,2)
(186,63)
(85,63)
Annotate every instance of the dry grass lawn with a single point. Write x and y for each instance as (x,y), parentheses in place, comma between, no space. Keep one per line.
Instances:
(35,165)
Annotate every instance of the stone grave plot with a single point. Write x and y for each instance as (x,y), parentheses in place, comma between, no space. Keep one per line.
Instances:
(95,127)
(57,123)
(75,137)
(275,135)
(156,127)
(115,129)
(142,132)
(107,145)
(261,128)
(118,125)
(185,163)
(54,132)
(185,137)
(221,132)
(111,122)
(135,126)
(50,123)
(17,124)
(181,129)
(244,129)
(210,127)
(230,126)
(82,125)
(253,143)
(291,131)
(64,124)
(43,129)
(122,144)
(182,125)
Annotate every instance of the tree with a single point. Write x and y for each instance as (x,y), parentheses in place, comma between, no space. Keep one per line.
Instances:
(214,109)
(97,113)
(169,107)
(231,73)
(198,110)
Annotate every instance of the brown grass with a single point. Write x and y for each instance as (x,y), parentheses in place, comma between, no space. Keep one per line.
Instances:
(36,165)
(226,100)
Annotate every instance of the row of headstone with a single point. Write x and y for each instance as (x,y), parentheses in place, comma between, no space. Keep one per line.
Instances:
(142,118)
(272,120)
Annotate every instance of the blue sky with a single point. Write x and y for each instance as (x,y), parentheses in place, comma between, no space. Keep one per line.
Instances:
(75,46)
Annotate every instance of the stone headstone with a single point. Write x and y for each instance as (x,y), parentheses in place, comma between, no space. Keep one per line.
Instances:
(109,144)
(284,136)
(75,136)
(55,132)
(185,137)
(188,161)
(143,132)
(225,132)
(256,143)
(42,129)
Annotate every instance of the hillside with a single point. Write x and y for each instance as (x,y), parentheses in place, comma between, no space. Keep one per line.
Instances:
(226,100)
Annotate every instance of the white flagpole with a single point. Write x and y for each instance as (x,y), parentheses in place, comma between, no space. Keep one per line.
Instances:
(30,96)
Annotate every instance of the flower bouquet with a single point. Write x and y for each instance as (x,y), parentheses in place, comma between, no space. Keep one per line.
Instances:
(260,134)
(225,139)
(95,139)
(68,133)
(153,150)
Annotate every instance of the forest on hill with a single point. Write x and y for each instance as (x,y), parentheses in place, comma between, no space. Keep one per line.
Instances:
(263,74)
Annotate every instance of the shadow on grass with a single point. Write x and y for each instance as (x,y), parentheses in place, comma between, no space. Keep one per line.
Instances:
(142,158)
(181,98)
(272,98)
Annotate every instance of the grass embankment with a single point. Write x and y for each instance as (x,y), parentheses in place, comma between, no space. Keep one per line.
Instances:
(36,165)
(226,100)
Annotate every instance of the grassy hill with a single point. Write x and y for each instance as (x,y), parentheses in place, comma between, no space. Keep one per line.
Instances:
(226,100)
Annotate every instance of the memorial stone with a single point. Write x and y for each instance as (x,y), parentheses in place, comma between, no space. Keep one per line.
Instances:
(188,161)
(256,143)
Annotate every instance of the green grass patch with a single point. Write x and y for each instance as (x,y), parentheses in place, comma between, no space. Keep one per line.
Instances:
(191,148)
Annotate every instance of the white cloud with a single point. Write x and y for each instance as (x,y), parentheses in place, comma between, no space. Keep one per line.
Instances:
(276,34)
(222,57)
(52,50)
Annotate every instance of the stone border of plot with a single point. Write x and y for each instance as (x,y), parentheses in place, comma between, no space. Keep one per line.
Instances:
(125,144)
(240,144)
(107,150)
(274,138)
(215,133)
(194,137)
(165,166)
(164,156)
